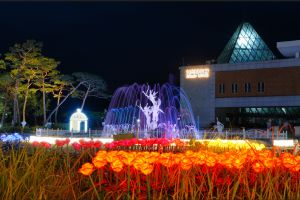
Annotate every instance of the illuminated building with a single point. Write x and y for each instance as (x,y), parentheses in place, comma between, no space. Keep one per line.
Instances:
(247,85)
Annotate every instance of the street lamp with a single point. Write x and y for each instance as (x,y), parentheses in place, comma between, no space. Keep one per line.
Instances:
(138,130)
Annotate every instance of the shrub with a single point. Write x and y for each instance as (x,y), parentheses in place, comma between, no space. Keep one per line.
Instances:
(123,136)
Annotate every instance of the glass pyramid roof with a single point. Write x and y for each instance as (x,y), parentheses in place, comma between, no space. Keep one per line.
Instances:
(245,45)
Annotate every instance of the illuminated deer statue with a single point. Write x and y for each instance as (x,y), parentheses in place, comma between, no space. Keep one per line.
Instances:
(154,109)
(147,112)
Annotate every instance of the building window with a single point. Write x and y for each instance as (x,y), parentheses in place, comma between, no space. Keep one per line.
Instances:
(261,87)
(247,87)
(234,88)
(222,88)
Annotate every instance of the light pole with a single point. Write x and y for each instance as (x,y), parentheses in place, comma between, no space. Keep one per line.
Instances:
(138,130)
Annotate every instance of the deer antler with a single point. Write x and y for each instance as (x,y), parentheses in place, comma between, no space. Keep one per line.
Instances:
(151,96)
(153,93)
(146,93)
(140,106)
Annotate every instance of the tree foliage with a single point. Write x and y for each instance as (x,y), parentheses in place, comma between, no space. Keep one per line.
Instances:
(30,81)
(93,86)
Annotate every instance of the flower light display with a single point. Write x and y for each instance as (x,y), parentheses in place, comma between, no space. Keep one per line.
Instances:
(16,137)
(144,161)
(205,170)
(160,168)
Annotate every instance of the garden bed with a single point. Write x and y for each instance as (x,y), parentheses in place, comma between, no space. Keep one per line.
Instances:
(147,169)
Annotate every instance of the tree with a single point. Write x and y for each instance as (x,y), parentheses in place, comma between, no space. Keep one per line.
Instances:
(2,64)
(35,107)
(6,89)
(28,78)
(61,84)
(94,86)
(46,72)
(19,58)
(67,96)
(5,82)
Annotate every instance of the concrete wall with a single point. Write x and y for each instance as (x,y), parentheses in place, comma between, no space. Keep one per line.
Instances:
(201,94)
(297,131)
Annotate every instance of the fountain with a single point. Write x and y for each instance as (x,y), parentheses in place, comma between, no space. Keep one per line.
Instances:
(160,111)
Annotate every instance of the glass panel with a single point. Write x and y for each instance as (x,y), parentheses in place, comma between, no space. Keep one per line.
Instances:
(245,45)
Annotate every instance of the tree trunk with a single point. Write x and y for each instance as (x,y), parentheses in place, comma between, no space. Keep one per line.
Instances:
(58,101)
(3,114)
(85,96)
(25,101)
(74,89)
(44,102)
(15,119)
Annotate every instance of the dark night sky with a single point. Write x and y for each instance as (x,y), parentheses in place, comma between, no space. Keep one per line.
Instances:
(140,42)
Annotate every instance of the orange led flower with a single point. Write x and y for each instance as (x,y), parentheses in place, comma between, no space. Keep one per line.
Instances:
(238,163)
(117,165)
(139,161)
(99,162)
(111,156)
(101,153)
(269,162)
(186,163)
(127,158)
(177,158)
(146,168)
(153,157)
(257,167)
(289,162)
(87,169)
(166,159)
(226,160)
(210,161)
(199,158)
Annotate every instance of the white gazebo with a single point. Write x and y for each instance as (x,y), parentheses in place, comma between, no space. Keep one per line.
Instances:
(76,121)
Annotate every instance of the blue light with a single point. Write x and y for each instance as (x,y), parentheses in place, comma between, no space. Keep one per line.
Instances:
(16,137)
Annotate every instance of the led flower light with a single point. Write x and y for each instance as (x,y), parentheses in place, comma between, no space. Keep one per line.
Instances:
(16,137)
(231,144)
(117,165)
(99,162)
(258,167)
(144,161)
(87,169)
(146,168)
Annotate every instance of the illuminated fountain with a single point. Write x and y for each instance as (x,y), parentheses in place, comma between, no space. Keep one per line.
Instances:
(160,111)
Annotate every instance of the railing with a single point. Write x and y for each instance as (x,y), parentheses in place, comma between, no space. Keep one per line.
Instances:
(184,134)
(226,134)
(247,134)
(67,133)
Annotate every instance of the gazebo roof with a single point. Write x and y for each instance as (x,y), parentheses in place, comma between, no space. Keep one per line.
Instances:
(78,115)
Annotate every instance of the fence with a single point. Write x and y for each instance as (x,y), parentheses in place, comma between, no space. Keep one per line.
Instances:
(226,134)
(247,134)
(67,133)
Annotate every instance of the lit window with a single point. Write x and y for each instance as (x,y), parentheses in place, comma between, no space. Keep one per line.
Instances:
(247,87)
(222,88)
(234,88)
(261,87)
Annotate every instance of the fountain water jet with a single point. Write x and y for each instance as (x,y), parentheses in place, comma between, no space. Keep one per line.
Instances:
(160,111)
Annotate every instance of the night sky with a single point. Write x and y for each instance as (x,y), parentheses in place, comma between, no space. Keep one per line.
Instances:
(140,42)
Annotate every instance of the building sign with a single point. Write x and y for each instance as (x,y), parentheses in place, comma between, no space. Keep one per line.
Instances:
(197,73)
